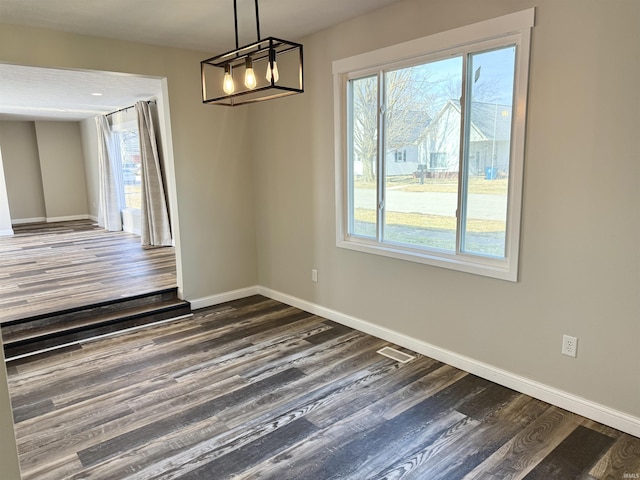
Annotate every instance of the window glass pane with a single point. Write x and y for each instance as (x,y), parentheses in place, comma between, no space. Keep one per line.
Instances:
(422,145)
(491,77)
(363,155)
(131,168)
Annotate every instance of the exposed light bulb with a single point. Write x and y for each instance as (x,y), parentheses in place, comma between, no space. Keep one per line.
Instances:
(227,82)
(272,72)
(250,80)
(272,67)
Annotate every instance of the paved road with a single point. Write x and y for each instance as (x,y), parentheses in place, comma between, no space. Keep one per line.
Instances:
(481,206)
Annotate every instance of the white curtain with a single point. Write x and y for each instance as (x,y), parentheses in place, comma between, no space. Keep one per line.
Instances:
(110,178)
(155,227)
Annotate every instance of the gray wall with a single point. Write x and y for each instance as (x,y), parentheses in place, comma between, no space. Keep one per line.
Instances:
(44,169)
(580,255)
(5,215)
(8,450)
(580,259)
(89,139)
(62,167)
(209,146)
(22,170)
(216,245)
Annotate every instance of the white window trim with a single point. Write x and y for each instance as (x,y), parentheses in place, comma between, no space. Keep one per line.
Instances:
(517,28)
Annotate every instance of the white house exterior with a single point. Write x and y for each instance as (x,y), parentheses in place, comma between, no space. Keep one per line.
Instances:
(439,146)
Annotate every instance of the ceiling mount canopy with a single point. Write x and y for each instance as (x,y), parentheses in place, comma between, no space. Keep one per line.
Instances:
(269,68)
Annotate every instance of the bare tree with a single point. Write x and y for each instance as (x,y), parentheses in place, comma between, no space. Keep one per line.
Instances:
(484,89)
(412,98)
(407,108)
(365,124)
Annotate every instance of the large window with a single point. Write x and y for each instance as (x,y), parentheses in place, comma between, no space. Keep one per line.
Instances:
(430,147)
(127,139)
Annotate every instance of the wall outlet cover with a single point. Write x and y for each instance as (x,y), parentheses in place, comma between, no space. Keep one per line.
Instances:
(569,345)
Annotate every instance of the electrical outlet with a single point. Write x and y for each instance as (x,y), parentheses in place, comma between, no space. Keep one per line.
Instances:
(569,346)
(314,275)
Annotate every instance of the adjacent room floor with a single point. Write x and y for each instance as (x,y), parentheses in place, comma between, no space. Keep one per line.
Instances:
(258,389)
(53,266)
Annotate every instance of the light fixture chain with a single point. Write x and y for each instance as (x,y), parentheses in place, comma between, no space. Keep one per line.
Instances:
(257,22)
(255,89)
(235,20)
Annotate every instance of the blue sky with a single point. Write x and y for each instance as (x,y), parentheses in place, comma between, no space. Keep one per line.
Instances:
(496,73)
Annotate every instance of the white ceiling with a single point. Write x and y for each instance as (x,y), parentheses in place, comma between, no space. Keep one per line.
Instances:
(31,93)
(205,25)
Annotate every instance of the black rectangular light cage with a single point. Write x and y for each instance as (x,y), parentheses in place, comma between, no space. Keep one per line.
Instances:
(287,62)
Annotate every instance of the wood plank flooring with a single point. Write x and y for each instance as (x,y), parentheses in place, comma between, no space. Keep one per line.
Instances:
(255,389)
(53,266)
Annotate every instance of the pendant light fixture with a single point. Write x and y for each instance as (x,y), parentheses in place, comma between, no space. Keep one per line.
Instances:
(269,68)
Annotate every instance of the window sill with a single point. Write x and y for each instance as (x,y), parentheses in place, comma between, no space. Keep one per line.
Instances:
(483,266)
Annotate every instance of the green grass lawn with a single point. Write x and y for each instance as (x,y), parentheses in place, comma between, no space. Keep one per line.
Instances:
(133,196)
(434,232)
(408,183)
(437,222)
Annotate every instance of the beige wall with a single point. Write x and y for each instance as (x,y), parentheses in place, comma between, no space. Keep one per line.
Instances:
(580,255)
(89,139)
(8,450)
(5,215)
(22,170)
(44,167)
(210,152)
(216,245)
(62,168)
(580,262)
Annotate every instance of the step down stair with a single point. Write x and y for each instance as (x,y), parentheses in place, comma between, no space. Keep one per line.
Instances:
(29,336)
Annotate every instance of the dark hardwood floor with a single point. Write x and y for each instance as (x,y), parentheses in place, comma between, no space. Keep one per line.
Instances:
(53,266)
(254,389)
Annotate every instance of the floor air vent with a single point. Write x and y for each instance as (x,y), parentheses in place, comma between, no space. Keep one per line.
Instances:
(396,355)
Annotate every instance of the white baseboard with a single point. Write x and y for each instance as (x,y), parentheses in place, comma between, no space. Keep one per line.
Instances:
(22,221)
(6,233)
(68,218)
(92,218)
(223,297)
(595,411)
(573,403)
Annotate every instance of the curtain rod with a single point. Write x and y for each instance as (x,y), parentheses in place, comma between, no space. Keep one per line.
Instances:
(128,108)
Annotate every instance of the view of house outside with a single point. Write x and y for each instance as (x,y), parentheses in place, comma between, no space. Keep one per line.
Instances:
(422,144)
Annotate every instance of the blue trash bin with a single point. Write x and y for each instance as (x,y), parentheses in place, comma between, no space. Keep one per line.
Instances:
(490,173)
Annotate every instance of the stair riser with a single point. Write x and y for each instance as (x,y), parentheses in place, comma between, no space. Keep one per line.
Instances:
(60,319)
(64,338)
